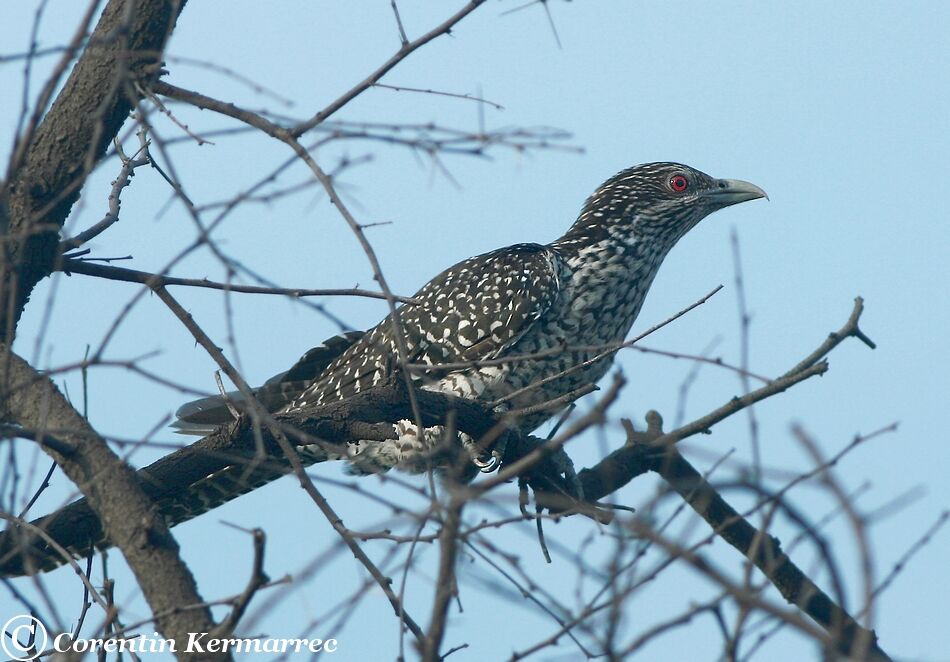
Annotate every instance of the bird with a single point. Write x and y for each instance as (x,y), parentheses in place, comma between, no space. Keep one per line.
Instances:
(527,328)
(540,315)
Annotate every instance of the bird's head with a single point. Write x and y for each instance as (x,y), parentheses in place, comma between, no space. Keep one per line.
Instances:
(657,201)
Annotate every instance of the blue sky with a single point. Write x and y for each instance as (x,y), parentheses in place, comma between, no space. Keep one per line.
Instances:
(841,111)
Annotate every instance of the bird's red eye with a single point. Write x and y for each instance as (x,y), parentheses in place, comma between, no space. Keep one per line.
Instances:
(679,183)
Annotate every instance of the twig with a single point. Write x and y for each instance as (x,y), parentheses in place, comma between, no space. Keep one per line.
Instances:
(765,551)
(669,624)
(906,557)
(612,350)
(454,95)
(258,579)
(565,627)
(849,330)
(405,50)
(123,179)
(403,39)
(699,358)
(744,321)
(86,602)
(162,108)
(231,73)
(737,404)
(555,403)
(445,583)
(70,266)
(235,414)
(42,488)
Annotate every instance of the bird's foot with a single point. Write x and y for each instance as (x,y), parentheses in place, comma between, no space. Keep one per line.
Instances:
(486,461)
(565,467)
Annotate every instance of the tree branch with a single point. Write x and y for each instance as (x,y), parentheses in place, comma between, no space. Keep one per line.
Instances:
(72,266)
(765,551)
(404,51)
(52,162)
(632,460)
(113,493)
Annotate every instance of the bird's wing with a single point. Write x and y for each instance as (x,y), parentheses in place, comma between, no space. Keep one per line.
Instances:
(312,364)
(472,311)
(479,308)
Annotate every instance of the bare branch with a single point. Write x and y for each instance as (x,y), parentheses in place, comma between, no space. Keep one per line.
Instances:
(766,553)
(73,266)
(407,48)
(849,330)
(123,179)
(125,513)
(445,586)
(258,579)
(454,95)
(52,163)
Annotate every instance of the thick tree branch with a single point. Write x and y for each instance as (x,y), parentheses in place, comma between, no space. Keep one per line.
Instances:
(113,493)
(52,162)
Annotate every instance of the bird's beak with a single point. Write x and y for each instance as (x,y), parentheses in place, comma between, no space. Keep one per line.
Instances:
(733,191)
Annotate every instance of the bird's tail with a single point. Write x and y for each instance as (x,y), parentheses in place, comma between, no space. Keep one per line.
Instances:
(232,481)
(75,530)
(205,415)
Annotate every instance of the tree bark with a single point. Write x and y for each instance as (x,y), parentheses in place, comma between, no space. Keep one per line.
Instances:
(53,158)
(127,516)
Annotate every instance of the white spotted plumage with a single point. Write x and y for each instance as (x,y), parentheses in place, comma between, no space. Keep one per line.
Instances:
(579,294)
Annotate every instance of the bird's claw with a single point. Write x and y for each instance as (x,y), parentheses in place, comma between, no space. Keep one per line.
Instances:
(490,464)
(486,462)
